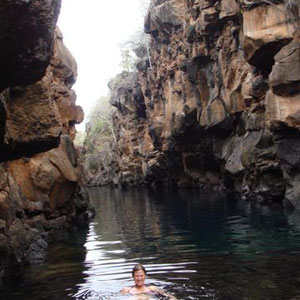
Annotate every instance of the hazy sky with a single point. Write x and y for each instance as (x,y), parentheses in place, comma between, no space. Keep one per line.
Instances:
(93,31)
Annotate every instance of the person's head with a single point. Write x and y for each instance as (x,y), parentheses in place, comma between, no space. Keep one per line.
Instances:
(139,274)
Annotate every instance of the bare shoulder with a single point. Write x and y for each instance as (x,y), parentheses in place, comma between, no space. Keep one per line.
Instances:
(125,290)
(161,291)
(154,288)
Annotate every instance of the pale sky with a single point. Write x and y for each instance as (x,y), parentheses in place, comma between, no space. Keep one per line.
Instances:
(93,31)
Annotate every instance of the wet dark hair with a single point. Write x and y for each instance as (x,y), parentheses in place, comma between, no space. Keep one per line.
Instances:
(138,267)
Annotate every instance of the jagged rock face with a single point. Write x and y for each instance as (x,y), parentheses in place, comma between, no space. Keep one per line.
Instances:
(37,200)
(64,69)
(26,39)
(36,115)
(39,172)
(47,179)
(36,196)
(265,30)
(221,96)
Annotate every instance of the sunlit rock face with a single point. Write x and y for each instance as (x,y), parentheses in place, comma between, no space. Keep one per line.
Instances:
(220,97)
(265,30)
(39,172)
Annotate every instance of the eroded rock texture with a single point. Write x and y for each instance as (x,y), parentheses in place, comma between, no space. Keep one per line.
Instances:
(217,103)
(39,173)
(26,39)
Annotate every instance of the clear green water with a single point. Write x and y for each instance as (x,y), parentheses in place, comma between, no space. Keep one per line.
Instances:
(194,245)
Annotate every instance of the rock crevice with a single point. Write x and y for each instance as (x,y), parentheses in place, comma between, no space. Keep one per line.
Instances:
(39,172)
(220,99)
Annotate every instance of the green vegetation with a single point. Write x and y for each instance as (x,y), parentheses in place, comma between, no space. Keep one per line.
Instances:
(100,134)
(79,139)
(128,60)
(100,138)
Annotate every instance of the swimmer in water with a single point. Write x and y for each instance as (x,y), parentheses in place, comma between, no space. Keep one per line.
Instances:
(139,276)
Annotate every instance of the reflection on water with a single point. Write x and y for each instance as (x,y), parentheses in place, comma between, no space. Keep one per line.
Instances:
(193,245)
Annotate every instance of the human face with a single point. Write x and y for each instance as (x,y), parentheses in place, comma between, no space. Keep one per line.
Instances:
(139,278)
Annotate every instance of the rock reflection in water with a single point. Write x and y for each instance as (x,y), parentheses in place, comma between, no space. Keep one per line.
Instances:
(55,279)
(199,245)
(193,245)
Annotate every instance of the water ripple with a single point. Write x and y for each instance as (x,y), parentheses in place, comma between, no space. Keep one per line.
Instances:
(193,245)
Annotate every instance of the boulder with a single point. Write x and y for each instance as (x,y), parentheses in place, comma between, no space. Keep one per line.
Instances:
(63,63)
(289,153)
(229,8)
(266,29)
(47,180)
(285,76)
(163,15)
(282,111)
(292,194)
(33,121)
(26,39)
(207,21)
(214,114)
(127,95)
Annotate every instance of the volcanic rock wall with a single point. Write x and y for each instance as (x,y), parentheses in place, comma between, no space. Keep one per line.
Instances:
(217,102)
(39,172)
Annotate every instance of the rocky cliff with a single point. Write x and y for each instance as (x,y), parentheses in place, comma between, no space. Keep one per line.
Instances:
(39,172)
(216,103)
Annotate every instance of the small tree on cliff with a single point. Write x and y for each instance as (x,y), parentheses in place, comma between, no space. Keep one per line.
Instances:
(128,60)
(137,45)
(100,133)
(79,139)
(100,126)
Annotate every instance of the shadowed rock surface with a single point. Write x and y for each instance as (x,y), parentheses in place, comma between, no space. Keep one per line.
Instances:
(39,173)
(217,102)
(26,39)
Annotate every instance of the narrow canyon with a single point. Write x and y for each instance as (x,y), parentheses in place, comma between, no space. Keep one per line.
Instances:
(214,104)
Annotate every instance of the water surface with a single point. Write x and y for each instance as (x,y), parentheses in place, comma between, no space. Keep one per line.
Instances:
(194,245)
